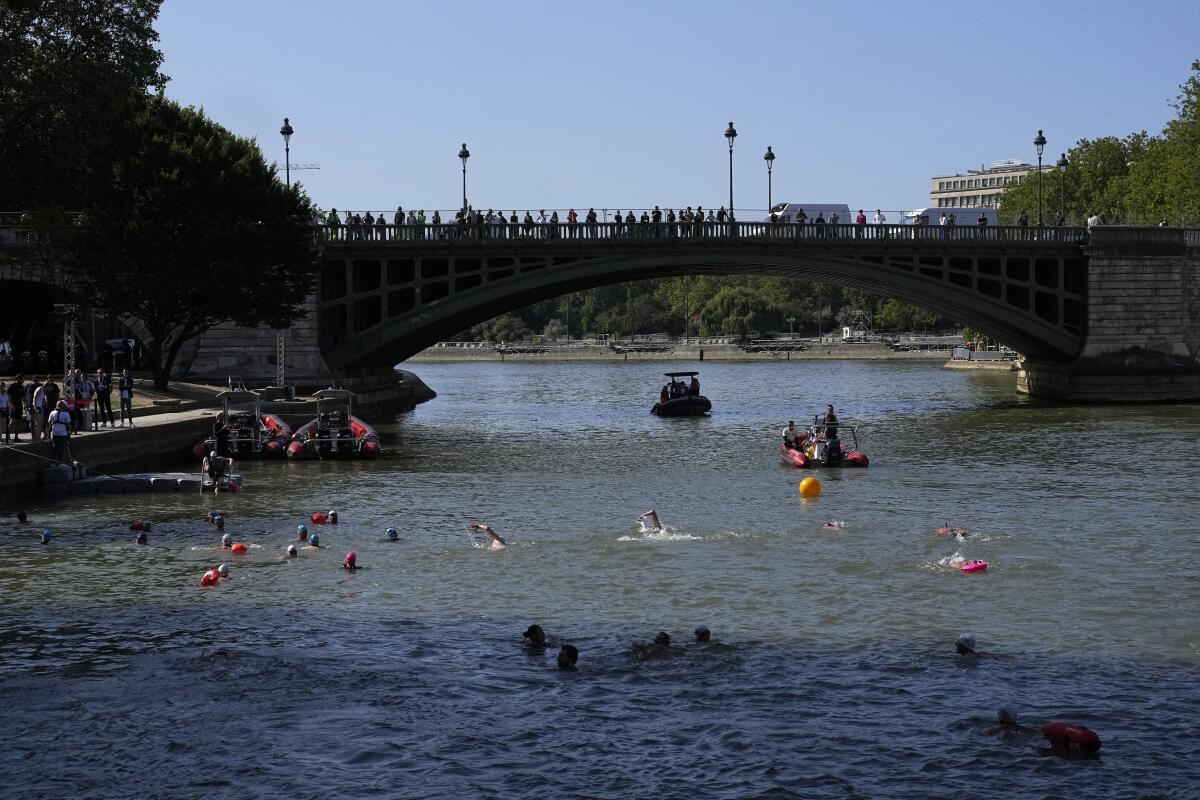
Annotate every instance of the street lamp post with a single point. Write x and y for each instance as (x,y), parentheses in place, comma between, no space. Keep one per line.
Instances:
(464,154)
(286,132)
(1039,142)
(791,321)
(769,157)
(730,134)
(1062,187)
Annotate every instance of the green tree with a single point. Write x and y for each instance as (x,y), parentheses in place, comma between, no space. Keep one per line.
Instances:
(739,310)
(66,67)
(194,229)
(507,328)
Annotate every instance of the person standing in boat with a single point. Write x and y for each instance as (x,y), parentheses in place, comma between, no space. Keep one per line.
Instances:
(221,435)
(664,396)
(694,387)
(831,423)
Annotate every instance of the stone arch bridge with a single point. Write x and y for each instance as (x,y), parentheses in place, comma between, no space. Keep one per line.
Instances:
(1109,316)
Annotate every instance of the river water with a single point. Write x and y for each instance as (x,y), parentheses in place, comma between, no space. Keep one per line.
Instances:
(835,676)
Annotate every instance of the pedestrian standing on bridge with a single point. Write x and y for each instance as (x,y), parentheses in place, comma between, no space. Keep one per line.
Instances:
(398,221)
(380,227)
(656,219)
(819,225)
(671,232)
(698,218)
(333,222)
(528,222)
(617,225)
(860,224)
(555,232)
(572,221)
(590,220)
(369,226)
(629,221)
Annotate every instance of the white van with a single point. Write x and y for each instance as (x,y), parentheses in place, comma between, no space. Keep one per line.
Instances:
(786,212)
(962,216)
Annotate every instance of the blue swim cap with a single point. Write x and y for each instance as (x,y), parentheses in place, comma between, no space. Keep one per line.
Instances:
(301,528)
(314,539)
(45,536)
(391,533)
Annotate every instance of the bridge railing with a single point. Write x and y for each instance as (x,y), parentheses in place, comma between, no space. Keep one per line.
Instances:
(402,235)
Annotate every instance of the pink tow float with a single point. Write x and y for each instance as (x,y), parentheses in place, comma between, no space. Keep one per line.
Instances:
(974,566)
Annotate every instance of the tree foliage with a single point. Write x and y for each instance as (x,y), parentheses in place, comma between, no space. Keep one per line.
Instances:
(1136,180)
(193,229)
(66,68)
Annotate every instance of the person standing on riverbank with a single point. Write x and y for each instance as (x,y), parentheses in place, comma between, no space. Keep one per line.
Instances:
(103,399)
(16,400)
(60,433)
(125,393)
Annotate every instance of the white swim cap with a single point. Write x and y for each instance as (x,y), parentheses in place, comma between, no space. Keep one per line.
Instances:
(291,549)
(967,640)
(226,539)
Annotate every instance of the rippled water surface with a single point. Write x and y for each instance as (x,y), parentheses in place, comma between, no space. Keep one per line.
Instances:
(834,676)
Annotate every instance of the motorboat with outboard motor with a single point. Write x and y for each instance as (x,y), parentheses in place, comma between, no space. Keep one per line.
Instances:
(335,433)
(814,448)
(252,434)
(681,398)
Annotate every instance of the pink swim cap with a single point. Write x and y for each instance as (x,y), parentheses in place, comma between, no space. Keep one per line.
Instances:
(351,559)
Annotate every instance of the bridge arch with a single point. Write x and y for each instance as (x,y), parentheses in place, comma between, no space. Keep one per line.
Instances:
(379,304)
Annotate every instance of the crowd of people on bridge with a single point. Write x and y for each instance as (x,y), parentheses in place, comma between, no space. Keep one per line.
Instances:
(657,223)
(472,223)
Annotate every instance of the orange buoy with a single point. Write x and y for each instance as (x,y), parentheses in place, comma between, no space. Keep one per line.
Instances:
(210,578)
(318,517)
(238,548)
(140,525)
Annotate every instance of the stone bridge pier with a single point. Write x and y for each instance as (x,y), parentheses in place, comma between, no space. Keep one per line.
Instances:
(1142,332)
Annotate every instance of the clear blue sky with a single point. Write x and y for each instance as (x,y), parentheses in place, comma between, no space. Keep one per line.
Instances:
(611,104)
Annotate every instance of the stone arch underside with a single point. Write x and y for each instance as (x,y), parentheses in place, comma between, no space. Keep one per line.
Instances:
(398,337)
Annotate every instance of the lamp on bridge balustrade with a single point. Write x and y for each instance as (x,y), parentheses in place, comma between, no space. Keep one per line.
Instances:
(730,134)
(769,157)
(1062,187)
(791,321)
(286,132)
(464,154)
(1039,142)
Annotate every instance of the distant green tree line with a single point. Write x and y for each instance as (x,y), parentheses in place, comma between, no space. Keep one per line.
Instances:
(715,306)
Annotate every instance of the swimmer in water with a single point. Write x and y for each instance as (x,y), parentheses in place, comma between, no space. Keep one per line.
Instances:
(658,649)
(567,656)
(226,543)
(331,518)
(301,533)
(223,570)
(392,535)
(22,516)
(140,538)
(1007,726)
(314,542)
(220,522)
(703,634)
(835,523)
(350,562)
(45,539)
(654,524)
(290,552)
(965,652)
(497,542)
(536,637)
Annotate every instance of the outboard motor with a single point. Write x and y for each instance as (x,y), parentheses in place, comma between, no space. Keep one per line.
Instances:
(833,452)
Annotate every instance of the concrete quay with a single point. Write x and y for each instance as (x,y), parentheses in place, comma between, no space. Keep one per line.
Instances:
(155,439)
(675,352)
